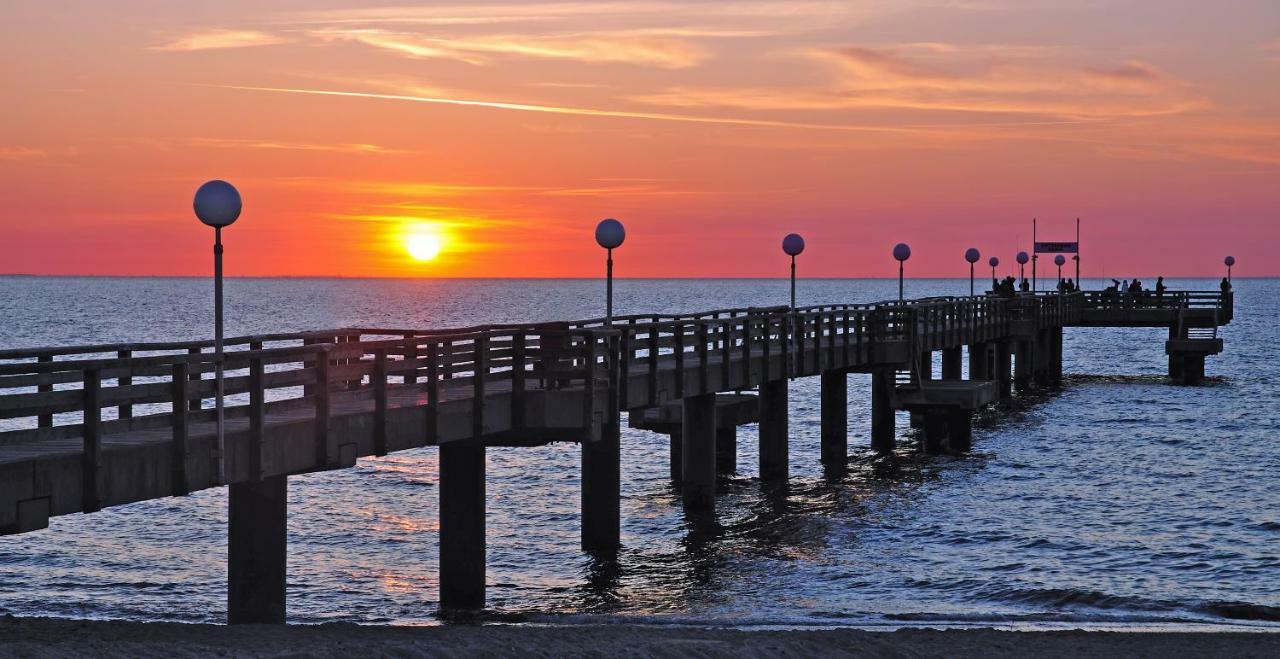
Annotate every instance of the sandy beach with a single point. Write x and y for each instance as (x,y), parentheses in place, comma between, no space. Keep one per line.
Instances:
(42,637)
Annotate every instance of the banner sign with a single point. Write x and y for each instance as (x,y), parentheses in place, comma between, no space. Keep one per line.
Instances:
(1057,248)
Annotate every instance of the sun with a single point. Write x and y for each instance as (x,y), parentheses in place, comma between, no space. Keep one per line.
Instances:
(423,246)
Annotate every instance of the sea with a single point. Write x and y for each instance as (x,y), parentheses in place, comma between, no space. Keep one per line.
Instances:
(1119,500)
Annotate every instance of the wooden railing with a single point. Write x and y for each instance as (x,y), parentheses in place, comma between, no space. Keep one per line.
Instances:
(46,399)
(88,391)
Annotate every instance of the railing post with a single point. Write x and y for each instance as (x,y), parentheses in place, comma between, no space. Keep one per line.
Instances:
(91,456)
(703,367)
(197,403)
(124,410)
(479,369)
(322,409)
(433,394)
(45,420)
(653,363)
(179,418)
(588,383)
(379,382)
(679,355)
(517,380)
(257,418)
(410,358)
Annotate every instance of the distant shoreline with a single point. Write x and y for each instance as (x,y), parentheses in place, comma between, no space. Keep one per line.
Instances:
(53,637)
(24,275)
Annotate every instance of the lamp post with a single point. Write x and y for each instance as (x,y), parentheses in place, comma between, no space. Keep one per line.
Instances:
(901,252)
(1229,261)
(217,204)
(609,234)
(993,262)
(1059,260)
(971,255)
(793,244)
(1022,265)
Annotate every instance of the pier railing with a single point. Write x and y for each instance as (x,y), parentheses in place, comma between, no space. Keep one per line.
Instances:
(46,400)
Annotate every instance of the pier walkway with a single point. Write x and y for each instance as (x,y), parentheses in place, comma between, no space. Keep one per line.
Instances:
(88,427)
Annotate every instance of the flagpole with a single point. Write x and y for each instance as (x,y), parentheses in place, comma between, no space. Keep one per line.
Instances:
(1034,256)
(1077,251)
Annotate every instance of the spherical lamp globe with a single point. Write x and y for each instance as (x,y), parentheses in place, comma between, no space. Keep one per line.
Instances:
(793,244)
(1023,258)
(1059,260)
(610,234)
(901,251)
(1229,261)
(972,255)
(217,204)
(993,261)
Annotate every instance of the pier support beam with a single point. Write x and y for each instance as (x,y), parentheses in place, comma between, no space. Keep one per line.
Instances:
(726,449)
(602,490)
(257,549)
(1040,356)
(1023,364)
(935,430)
(835,419)
(979,360)
(883,432)
(1055,360)
(1175,359)
(951,366)
(773,431)
(960,430)
(1003,378)
(677,451)
(698,455)
(462,543)
(1192,371)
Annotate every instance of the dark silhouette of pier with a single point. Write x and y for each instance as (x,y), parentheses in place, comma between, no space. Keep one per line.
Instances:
(108,425)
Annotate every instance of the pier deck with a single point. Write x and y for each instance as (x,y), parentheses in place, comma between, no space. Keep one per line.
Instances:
(82,428)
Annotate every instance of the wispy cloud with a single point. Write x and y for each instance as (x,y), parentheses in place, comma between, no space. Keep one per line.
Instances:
(581,111)
(663,52)
(222,39)
(880,78)
(16,153)
(291,146)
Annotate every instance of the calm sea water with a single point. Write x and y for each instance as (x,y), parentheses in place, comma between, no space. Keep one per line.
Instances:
(1119,499)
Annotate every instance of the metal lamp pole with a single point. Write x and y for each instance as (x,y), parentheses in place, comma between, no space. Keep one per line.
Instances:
(993,262)
(218,204)
(793,245)
(971,255)
(901,252)
(1229,261)
(609,235)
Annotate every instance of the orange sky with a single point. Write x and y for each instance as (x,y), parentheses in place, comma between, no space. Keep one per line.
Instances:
(711,129)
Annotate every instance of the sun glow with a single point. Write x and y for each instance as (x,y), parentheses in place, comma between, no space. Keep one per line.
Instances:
(423,244)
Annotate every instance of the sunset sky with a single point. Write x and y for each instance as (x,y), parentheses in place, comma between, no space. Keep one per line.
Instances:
(506,130)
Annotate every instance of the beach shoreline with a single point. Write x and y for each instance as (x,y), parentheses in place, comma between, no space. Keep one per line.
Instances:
(49,637)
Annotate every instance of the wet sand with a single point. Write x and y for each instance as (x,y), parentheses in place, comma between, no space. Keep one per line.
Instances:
(41,637)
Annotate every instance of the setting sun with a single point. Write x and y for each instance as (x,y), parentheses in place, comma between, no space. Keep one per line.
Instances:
(423,246)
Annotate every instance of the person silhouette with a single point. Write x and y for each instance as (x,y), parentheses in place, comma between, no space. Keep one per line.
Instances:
(1225,285)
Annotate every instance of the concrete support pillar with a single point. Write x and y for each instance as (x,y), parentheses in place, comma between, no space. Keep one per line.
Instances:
(883,432)
(1023,364)
(979,361)
(935,430)
(1175,360)
(462,543)
(602,490)
(698,483)
(257,541)
(1055,362)
(960,430)
(835,418)
(1003,377)
(727,450)
(773,430)
(677,450)
(926,366)
(1040,355)
(951,366)
(1192,368)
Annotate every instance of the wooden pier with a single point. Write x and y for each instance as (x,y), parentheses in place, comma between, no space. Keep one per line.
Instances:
(89,427)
